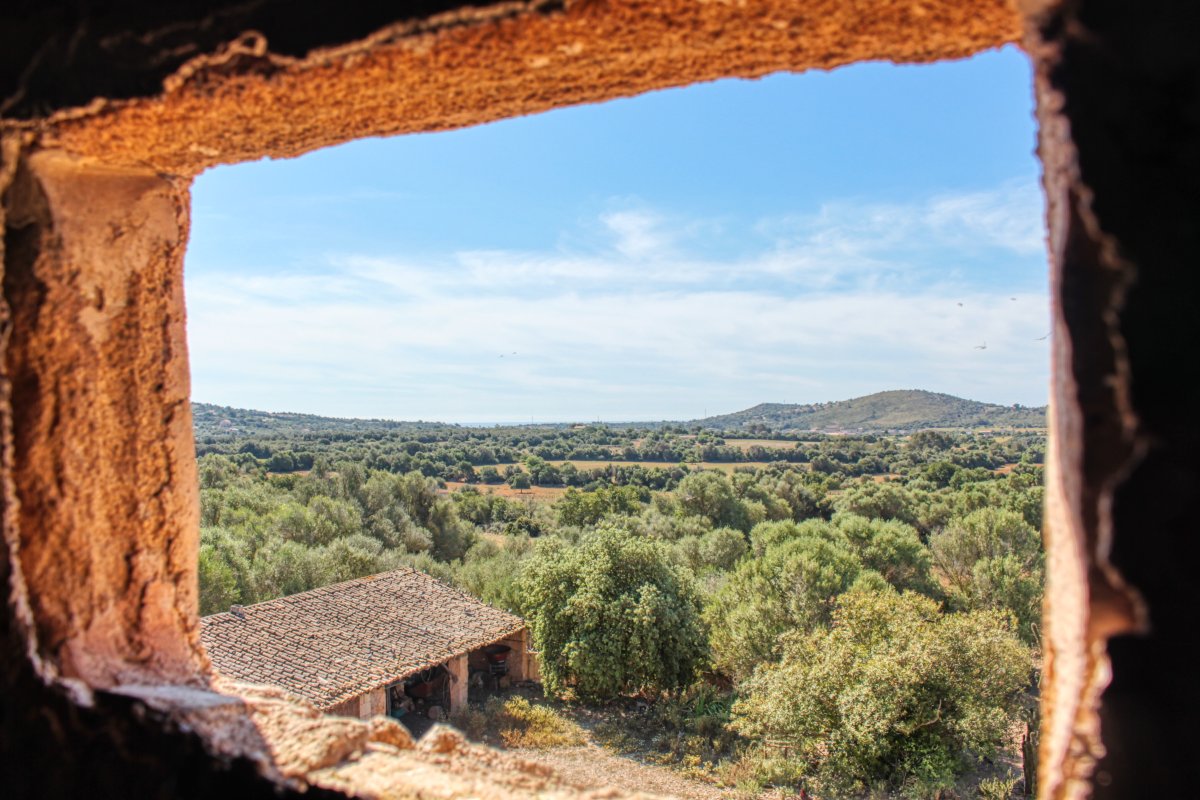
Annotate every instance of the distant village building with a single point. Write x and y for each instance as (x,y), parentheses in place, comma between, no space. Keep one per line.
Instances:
(383,644)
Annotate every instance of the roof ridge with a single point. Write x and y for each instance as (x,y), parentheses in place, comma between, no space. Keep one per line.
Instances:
(326,589)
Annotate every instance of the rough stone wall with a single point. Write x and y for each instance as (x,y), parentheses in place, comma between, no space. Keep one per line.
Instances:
(97,491)
(346,709)
(1118,89)
(478,64)
(373,704)
(65,55)
(102,462)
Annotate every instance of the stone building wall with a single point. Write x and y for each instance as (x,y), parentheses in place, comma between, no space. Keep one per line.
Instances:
(373,704)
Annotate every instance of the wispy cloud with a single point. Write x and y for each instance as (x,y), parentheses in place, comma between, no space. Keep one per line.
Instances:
(854,237)
(1009,217)
(639,234)
(852,298)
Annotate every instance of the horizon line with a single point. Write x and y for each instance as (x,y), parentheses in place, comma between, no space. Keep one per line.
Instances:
(627,421)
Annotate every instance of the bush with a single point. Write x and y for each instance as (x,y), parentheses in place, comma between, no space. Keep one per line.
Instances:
(492,573)
(790,585)
(520,723)
(224,572)
(997,788)
(516,722)
(892,549)
(582,509)
(710,495)
(693,726)
(992,558)
(472,721)
(611,615)
(895,692)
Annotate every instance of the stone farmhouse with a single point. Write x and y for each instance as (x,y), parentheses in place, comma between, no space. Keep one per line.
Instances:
(361,647)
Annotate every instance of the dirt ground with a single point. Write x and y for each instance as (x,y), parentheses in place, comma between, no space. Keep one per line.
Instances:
(592,766)
(539,494)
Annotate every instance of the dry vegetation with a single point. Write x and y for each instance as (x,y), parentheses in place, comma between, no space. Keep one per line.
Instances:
(539,494)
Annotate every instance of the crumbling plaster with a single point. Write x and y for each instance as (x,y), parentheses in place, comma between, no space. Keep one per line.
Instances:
(97,477)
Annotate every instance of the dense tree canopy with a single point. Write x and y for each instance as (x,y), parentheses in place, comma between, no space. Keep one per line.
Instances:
(992,558)
(791,584)
(611,616)
(894,692)
(853,598)
(261,539)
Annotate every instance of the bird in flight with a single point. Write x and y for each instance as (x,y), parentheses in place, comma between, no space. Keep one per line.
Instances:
(1042,338)
(981,346)
(960,305)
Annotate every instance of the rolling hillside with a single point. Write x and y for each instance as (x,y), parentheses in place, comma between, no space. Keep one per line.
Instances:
(884,411)
(217,421)
(895,410)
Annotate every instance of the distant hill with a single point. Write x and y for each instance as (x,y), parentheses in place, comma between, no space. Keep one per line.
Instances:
(885,411)
(907,409)
(217,421)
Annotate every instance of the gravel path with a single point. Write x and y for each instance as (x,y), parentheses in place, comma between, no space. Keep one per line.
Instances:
(591,766)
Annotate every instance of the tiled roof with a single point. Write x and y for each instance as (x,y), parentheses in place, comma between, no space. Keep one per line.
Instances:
(337,642)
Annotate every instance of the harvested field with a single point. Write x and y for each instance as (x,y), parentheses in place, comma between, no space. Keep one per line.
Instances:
(769,444)
(723,466)
(590,464)
(586,465)
(1007,468)
(539,494)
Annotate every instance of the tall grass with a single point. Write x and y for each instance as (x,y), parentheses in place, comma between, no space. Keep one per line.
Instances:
(518,723)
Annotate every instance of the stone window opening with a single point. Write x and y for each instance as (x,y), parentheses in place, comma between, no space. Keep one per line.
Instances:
(107,690)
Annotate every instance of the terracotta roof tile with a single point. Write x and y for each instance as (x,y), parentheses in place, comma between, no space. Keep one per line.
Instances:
(337,642)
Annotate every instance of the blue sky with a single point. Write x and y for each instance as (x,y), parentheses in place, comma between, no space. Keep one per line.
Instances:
(798,238)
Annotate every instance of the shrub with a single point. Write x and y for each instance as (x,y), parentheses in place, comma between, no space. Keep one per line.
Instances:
(521,723)
(992,558)
(472,721)
(895,692)
(582,509)
(493,574)
(611,615)
(224,572)
(710,495)
(791,585)
(997,788)
(516,722)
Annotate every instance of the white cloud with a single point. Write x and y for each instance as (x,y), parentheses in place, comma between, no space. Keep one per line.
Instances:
(866,243)
(639,234)
(1009,217)
(849,300)
(856,238)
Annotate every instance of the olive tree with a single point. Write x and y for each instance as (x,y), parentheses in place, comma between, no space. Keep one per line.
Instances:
(790,582)
(992,558)
(894,693)
(611,615)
